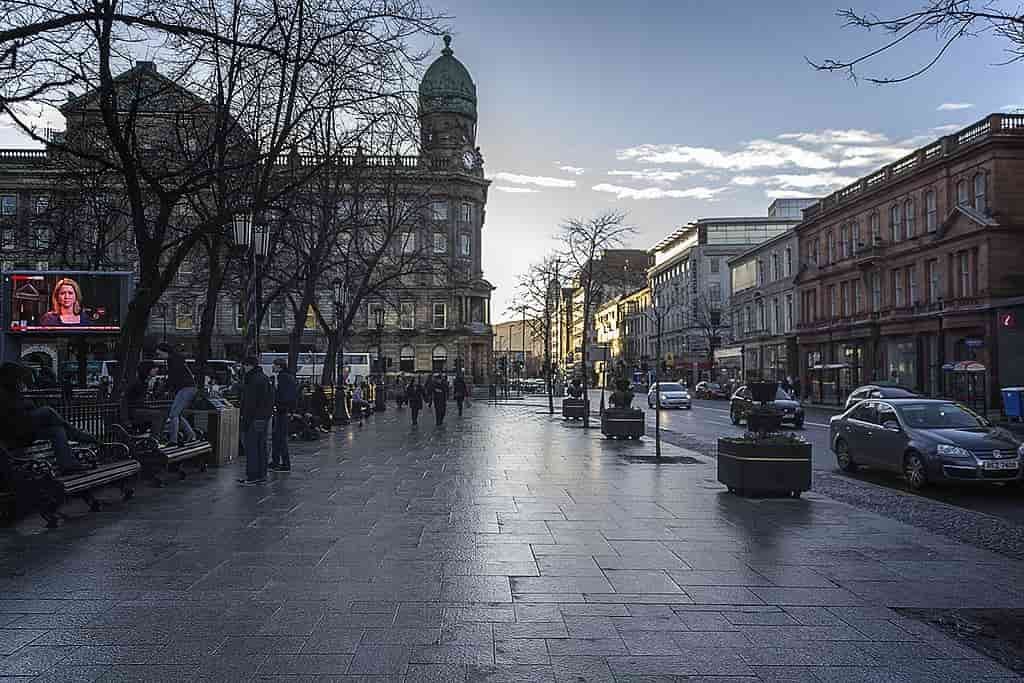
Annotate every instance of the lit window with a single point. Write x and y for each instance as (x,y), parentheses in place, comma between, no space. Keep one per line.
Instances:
(310,318)
(440,243)
(183,316)
(980,202)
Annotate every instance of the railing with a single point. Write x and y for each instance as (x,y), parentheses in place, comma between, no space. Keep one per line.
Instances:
(400,161)
(25,155)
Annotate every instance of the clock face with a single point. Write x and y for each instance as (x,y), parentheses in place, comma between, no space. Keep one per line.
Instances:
(468,160)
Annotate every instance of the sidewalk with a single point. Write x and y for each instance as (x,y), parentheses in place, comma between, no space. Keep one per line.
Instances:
(505,546)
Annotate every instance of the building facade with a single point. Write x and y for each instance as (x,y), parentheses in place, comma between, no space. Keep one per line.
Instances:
(764,308)
(914,271)
(438,324)
(516,342)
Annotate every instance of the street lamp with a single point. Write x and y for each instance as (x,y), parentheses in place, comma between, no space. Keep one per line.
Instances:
(340,400)
(253,237)
(379,394)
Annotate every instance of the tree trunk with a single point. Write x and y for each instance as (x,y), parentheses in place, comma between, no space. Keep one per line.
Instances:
(329,374)
(214,285)
(133,336)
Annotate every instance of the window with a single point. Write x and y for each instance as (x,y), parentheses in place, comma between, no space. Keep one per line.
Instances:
(407,359)
(714,265)
(440,320)
(776,316)
(876,291)
(832,313)
(750,321)
(239,316)
(875,228)
(963,261)
(407,315)
(815,250)
(439,357)
(762,272)
(844,242)
(789,261)
(931,211)
(908,218)
(858,297)
(8,204)
(466,212)
(776,267)
(962,194)
(310,323)
(866,411)
(183,316)
(897,288)
(40,237)
(789,312)
(932,270)
(6,238)
(440,243)
(855,243)
(439,210)
(912,299)
(715,292)
(894,223)
(373,312)
(41,204)
(465,245)
(831,247)
(408,242)
(980,203)
(844,299)
(277,316)
(761,322)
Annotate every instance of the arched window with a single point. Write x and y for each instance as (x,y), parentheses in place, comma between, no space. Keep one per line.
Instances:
(931,211)
(980,202)
(908,217)
(962,196)
(407,359)
(439,358)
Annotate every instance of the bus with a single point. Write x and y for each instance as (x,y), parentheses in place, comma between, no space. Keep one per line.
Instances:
(310,366)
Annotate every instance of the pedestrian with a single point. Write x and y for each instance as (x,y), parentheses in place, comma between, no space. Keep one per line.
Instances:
(319,407)
(414,396)
(286,398)
(257,408)
(428,390)
(183,387)
(459,391)
(440,398)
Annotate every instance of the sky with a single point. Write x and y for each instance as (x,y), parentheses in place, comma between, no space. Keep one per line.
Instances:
(673,111)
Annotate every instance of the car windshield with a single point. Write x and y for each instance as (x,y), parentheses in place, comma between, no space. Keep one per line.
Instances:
(939,416)
(781,395)
(714,385)
(671,387)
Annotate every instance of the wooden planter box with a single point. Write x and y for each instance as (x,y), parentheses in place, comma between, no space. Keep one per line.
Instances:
(754,468)
(622,423)
(574,408)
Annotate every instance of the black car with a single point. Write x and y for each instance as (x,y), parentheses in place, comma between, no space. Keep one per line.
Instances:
(878,391)
(742,403)
(928,440)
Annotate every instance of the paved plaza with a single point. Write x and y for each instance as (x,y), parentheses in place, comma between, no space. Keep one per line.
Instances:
(504,546)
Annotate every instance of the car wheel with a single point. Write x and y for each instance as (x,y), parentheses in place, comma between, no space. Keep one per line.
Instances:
(843,457)
(914,471)
(734,417)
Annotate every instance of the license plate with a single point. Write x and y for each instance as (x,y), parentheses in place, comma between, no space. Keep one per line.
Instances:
(1001,464)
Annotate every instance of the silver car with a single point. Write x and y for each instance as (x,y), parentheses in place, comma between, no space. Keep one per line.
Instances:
(929,441)
(672,395)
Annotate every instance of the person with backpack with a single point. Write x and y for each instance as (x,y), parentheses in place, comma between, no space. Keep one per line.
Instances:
(183,387)
(414,397)
(257,408)
(459,391)
(286,398)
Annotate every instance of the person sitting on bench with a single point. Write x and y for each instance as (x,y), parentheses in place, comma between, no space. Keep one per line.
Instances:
(22,422)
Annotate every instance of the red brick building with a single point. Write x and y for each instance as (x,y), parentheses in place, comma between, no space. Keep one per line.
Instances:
(918,266)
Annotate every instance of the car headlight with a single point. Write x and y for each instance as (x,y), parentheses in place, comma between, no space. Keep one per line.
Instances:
(1020,451)
(953,451)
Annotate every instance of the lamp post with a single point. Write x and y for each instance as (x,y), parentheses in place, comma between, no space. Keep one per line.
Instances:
(379,402)
(340,400)
(253,238)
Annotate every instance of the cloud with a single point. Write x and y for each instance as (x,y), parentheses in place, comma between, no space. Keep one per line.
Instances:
(575,170)
(808,181)
(538,180)
(946,130)
(655,176)
(857,157)
(1012,107)
(954,106)
(621,192)
(516,190)
(756,154)
(788,194)
(853,136)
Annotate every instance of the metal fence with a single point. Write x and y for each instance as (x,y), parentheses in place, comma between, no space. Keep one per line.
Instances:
(95,418)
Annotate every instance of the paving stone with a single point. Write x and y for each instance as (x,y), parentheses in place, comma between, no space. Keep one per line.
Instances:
(521,651)
(376,660)
(314,664)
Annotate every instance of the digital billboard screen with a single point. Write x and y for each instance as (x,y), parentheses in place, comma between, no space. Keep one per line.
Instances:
(72,302)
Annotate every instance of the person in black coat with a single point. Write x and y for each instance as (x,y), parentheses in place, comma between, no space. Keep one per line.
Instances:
(459,391)
(183,387)
(286,398)
(319,406)
(439,389)
(257,408)
(414,396)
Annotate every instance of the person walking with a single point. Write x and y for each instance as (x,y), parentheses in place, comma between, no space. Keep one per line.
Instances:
(459,391)
(439,389)
(257,408)
(286,399)
(183,387)
(414,396)
(428,390)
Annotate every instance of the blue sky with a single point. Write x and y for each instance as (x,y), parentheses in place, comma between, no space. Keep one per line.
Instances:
(678,110)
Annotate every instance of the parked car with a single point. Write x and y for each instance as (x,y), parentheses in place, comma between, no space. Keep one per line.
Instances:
(878,391)
(710,390)
(928,440)
(673,395)
(742,402)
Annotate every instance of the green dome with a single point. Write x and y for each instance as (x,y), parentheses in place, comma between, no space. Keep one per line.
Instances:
(447,86)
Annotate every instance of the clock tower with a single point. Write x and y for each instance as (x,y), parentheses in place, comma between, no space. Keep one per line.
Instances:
(447,112)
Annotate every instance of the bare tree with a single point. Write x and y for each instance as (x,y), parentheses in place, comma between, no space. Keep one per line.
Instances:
(537,295)
(585,242)
(711,321)
(947,21)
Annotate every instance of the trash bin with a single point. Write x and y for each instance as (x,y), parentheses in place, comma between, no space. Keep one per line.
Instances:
(1013,402)
(221,426)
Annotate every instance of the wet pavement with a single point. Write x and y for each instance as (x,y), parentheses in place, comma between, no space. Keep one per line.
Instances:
(505,546)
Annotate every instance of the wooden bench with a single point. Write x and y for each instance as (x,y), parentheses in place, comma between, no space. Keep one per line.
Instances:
(38,482)
(159,458)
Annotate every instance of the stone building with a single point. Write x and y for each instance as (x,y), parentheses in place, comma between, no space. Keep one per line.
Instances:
(443,324)
(916,268)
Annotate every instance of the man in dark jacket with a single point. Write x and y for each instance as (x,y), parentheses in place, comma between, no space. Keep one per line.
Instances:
(414,395)
(459,391)
(183,387)
(257,408)
(286,398)
(440,398)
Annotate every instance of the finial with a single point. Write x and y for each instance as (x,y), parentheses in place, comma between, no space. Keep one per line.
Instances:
(447,45)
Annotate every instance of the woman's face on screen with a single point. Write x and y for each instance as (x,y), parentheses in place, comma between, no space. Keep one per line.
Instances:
(66,297)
